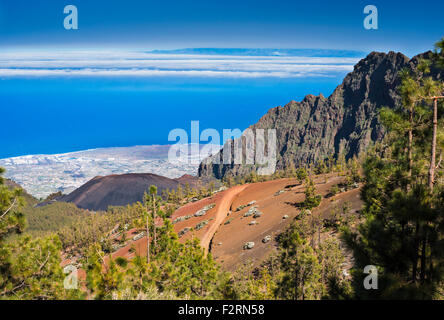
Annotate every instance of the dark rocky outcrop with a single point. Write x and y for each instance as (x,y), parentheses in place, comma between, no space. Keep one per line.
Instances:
(345,122)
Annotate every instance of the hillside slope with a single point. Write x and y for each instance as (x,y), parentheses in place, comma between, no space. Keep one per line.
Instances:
(29,199)
(118,190)
(225,227)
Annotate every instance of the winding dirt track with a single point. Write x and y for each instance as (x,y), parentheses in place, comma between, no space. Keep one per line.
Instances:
(221,213)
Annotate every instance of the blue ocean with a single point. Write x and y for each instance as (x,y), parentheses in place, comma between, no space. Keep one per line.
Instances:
(57,115)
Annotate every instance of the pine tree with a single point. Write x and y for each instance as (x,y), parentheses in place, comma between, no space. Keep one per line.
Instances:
(153,193)
(439,53)
(301,271)
(402,232)
(29,268)
(147,228)
(331,260)
(104,278)
(187,190)
(312,200)
(301,174)
(179,193)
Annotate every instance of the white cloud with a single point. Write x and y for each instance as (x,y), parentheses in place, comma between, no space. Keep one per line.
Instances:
(104,63)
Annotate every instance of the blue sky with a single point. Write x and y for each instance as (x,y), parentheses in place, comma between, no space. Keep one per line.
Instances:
(407,26)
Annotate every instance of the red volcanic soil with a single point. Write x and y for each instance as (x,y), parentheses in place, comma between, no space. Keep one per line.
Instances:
(222,211)
(214,216)
(228,242)
(228,230)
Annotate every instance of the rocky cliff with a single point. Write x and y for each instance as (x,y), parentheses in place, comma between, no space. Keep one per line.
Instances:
(345,122)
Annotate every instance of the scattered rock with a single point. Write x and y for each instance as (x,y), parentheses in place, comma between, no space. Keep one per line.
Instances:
(183,232)
(115,247)
(199,213)
(266,239)
(139,236)
(257,214)
(248,245)
(279,192)
(285,217)
(204,210)
(252,223)
(115,230)
(201,224)
(245,205)
(179,219)
(250,212)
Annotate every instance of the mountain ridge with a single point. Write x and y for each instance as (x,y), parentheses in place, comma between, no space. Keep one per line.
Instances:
(345,122)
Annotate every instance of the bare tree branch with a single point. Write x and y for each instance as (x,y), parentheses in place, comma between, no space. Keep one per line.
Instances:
(23,282)
(12,205)
(43,264)
(439,162)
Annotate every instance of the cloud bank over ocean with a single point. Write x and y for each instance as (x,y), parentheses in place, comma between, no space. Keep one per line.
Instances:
(216,63)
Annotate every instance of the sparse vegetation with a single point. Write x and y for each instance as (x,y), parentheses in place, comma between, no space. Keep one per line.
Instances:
(312,200)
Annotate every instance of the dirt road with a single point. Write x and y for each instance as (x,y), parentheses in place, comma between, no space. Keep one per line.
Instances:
(221,213)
